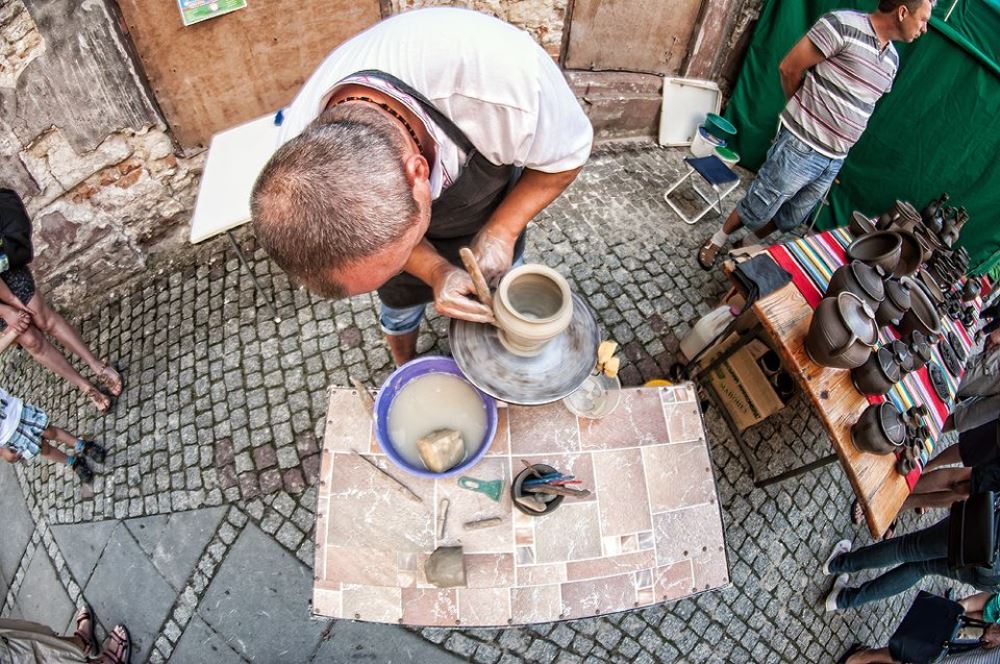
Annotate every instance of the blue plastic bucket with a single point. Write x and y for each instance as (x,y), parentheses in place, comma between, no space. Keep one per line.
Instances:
(401,377)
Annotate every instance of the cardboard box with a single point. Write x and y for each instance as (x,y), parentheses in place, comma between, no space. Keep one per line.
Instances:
(740,384)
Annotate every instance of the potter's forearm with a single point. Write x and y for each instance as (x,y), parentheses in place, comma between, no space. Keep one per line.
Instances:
(426,264)
(532,194)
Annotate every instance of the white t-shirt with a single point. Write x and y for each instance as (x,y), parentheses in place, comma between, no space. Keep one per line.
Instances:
(10,416)
(488,77)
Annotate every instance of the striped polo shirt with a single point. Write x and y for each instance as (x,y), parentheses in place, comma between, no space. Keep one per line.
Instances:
(837,96)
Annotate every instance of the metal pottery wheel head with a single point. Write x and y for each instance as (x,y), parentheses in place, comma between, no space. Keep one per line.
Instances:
(555,372)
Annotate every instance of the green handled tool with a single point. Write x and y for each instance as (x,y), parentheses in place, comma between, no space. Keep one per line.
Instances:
(491,488)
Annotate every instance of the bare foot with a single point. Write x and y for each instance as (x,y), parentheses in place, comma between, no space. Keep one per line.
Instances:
(100,400)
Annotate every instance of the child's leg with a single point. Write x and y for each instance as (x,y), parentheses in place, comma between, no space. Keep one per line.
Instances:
(60,435)
(49,452)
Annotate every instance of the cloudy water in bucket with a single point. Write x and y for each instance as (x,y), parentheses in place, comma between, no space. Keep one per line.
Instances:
(431,402)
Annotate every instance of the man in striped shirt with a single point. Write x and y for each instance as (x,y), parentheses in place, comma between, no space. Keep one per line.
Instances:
(832,78)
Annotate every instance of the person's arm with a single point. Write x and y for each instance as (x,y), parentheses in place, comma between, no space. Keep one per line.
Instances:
(976,602)
(533,192)
(804,56)
(8,337)
(452,286)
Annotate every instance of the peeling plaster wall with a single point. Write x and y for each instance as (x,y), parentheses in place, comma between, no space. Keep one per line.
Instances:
(83,143)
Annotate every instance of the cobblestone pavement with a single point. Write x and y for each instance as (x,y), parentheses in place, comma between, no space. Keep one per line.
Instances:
(224,409)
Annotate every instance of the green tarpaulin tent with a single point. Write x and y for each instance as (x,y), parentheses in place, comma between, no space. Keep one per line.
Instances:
(937,130)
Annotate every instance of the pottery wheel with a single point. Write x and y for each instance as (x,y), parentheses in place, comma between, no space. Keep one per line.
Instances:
(561,367)
(938,381)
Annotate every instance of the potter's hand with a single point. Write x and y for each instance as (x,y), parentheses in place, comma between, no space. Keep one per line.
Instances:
(453,291)
(16,319)
(494,252)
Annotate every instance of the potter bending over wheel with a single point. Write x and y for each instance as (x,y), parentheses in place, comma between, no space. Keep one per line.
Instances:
(433,130)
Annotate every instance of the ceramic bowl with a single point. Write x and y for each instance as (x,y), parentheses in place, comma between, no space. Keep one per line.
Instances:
(881,248)
(910,255)
(860,224)
(923,315)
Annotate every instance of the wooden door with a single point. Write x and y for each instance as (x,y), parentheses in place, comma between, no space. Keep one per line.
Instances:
(227,70)
(631,35)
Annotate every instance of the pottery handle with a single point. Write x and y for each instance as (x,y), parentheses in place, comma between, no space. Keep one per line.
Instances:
(840,349)
(472,267)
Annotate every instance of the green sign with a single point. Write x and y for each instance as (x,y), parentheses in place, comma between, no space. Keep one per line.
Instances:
(193,11)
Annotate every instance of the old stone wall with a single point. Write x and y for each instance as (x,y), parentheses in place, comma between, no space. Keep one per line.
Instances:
(83,143)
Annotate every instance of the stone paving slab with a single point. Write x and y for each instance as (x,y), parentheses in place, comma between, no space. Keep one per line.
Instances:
(42,597)
(175,542)
(351,641)
(17,525)
(82,545)
(259,599)
(126,588)
(201,643)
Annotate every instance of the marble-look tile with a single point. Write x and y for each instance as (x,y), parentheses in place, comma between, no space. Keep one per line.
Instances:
(611,566)
(597,596)
(542,430)
(322,506)
(686,533)
(525,555)
(466,506)
(366,511)
(372,603)
(501,441)
(488,607)
(628,543)
(572,532)
(327,602)
(620,485)
(678,475)
(710,569)
(535,604)
(348,426)
(673,581)
(524,535)
(683,422)
(579,464)
(360,566)
(540,575)
(645,596)
(638,420)
(643,578)
(489,570)
(430,606)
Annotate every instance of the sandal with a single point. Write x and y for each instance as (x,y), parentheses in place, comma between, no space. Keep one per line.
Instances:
(890,532)
(707,254)
(85,629)
(82,470)
(111,379)
(92,450)
(117,648)
(857,514)
(100,400)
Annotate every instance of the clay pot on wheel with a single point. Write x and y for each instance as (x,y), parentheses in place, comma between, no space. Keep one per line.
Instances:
(532,306)
(860,279)
(842,332)
(879,430)
(877,375)
(896,303)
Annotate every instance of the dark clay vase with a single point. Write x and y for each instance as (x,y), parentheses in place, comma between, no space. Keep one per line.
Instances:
(931,213)
(971,290)
(896,303)
(842,332)
(879,430)
(876,376)
(860,279)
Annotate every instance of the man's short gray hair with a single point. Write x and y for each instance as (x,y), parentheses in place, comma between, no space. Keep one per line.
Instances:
(333,195)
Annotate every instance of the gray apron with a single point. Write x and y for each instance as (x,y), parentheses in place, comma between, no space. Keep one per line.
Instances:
(459,212)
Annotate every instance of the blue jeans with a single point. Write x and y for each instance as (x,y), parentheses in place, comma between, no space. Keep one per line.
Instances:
(923,553)
(396,322)
(788,185)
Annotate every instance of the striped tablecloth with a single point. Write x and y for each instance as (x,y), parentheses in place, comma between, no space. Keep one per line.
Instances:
(812,261)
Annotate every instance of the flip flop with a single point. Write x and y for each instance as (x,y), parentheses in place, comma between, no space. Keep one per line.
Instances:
(110,384)
(86,634)
(857,514)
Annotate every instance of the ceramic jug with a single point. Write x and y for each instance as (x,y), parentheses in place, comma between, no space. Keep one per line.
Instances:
(842,332)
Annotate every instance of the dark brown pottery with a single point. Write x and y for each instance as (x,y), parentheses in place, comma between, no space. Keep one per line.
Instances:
(903,356)
(939,382)
(878,374)
(879,430)
(896,303)
(949,359)
(956,346)
(911,254)
(931,213)
(860,224)
(920,349)
(971,290)
(881,248)
(860,279)
(949,233)
(923,315)
(842,332)
(516,490)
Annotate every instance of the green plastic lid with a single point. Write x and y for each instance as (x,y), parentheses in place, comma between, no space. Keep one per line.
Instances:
(720,124)
(725,154)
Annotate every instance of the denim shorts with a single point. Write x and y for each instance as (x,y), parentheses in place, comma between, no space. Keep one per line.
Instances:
(395,322)
(788,185)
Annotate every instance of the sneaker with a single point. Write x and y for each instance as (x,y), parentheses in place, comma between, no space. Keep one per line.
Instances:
(843,546)
(831,599)
(82,470)
(94,451)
